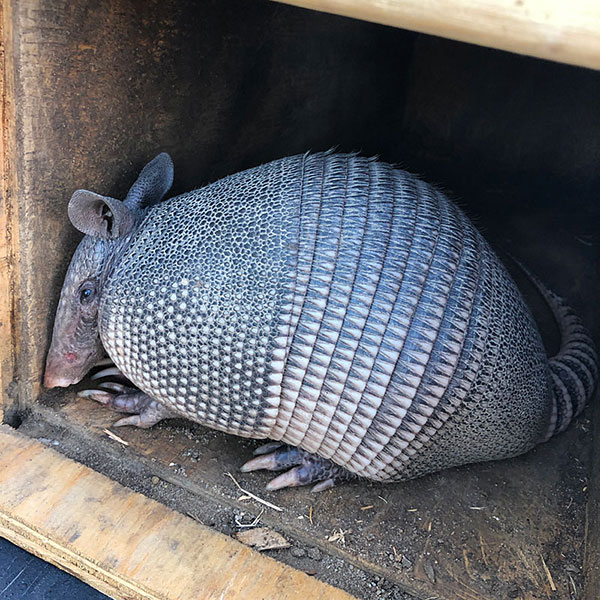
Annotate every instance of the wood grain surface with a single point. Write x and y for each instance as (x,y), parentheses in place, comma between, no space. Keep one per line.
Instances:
(8,213)
(562,31)
(125,544)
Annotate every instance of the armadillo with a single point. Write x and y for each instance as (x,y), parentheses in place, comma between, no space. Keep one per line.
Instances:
(334,304)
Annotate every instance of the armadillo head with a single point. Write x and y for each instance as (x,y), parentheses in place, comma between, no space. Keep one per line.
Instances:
(108,225)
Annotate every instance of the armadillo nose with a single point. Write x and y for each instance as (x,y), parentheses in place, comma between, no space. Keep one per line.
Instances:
(52,381)
(56,375)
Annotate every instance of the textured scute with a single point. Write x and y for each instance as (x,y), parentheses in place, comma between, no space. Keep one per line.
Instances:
(339,305)
(190,312)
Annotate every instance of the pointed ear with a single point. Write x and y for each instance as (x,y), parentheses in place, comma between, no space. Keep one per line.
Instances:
(153,183)
(99,216)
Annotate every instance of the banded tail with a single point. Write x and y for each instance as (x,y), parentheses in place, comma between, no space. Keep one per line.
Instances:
(574,370)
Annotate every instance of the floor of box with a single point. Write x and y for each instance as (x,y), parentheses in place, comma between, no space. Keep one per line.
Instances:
(507,529)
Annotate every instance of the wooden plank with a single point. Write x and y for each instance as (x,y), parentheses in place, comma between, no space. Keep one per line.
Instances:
(8,209)
(125,544)
(562,31)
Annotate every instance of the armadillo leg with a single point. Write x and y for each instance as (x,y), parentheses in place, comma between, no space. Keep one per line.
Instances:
(144,410)
(306,468)
(151,413)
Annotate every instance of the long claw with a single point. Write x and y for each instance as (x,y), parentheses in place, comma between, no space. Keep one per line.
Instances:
(149,415)
(114,386)
(267,448)
(267,461)
(322,486)
(107,373)
(98,395)
(131,420)
(301,467)
(143,410)
(288,479)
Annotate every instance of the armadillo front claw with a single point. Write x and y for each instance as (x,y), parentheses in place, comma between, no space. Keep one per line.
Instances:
(98,395)
(307,468)
(148,416)
(145,411)
(108,372)
(106,396)
(115,387)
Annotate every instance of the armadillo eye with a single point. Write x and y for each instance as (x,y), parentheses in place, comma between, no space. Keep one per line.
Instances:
(87,293)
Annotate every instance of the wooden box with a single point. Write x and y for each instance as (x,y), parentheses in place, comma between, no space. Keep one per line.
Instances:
(93,90)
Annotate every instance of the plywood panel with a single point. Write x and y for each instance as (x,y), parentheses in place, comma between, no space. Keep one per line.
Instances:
(8,213)
(124,544)
(565,32)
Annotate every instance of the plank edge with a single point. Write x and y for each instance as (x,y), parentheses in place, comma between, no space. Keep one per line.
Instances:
(509,26)
(55,553)
(42,541)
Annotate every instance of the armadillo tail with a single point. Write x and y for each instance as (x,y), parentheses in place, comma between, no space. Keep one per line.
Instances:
(574,370)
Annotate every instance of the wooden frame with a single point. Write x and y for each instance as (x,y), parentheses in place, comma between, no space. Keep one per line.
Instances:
(124,544)
(29,155)
(565,32)
(8,216)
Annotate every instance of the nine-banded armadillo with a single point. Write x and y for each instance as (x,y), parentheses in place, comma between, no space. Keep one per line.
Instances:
(330,302)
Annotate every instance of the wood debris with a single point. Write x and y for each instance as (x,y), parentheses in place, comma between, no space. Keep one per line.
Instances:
(115,437)
(548,574)
(262,538)
(482,546)
(339,536)
(254,523)
(251,495)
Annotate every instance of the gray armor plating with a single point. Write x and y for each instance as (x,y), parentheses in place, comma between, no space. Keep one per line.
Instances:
(339,305)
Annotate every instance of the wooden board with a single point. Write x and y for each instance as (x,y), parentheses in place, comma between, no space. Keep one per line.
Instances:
(125,544)
(565,32)
(8,210)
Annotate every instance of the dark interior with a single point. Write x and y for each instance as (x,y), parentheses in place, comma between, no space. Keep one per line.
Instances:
(226,85)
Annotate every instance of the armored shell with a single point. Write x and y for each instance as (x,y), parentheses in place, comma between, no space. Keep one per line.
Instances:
(337,304)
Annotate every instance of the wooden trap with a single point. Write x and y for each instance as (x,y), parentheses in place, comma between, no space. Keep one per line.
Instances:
(92,90)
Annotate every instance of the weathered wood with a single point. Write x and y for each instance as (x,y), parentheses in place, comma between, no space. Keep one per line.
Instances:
(564,32)
(104,86)
(125,544)
(8,210)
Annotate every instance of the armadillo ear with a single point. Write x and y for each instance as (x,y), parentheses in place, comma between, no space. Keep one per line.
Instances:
(99,216)
(153,183)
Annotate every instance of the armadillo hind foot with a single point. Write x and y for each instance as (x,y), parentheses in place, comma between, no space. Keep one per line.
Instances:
(306,468)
